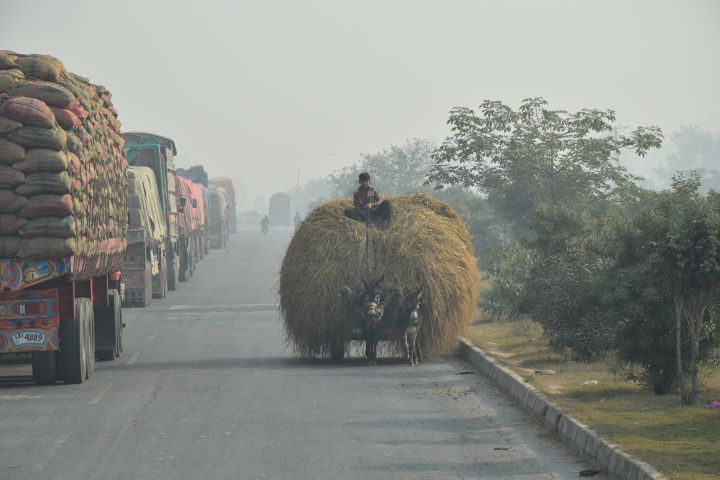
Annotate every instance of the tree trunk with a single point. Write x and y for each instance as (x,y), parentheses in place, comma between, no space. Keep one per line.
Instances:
(682,382)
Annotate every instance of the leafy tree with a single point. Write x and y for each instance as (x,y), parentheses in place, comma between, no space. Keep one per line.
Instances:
(696,150)
(678,242)
(396,170)
(536,155)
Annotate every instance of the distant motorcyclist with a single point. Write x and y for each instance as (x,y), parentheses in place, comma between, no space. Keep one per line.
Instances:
(265,224)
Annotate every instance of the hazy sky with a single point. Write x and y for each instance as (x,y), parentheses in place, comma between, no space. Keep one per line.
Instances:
(260,90)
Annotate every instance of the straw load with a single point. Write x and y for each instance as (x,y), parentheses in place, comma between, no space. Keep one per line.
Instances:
(426,244)
(63,183)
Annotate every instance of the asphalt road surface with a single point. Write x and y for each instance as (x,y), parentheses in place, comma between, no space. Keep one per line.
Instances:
(207,390)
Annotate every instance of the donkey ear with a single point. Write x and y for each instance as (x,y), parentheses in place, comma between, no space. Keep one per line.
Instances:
(419,292)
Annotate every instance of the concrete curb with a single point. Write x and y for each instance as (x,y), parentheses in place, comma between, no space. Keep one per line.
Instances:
(581,439)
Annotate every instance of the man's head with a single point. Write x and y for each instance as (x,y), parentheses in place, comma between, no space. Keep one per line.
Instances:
(364,178)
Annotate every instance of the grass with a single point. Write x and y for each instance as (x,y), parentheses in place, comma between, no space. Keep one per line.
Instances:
(682,442)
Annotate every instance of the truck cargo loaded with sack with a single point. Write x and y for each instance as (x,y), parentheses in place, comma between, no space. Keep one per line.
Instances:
(63,211)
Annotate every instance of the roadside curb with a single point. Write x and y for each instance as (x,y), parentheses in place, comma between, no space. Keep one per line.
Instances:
(580,438)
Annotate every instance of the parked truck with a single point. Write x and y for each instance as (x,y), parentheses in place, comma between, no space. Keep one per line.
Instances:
(199,176)
(217,221)
(199,194)
(156,152)
(64,208)
(187,228)
(227,184)
(146,238)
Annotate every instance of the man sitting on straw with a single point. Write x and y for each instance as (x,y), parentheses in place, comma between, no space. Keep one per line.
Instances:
(367,204)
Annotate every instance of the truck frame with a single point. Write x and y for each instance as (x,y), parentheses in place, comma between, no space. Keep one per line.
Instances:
(64,312)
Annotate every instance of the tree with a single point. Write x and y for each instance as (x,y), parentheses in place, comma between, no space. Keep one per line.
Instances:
(696,150)
(677,241)
(536,155)
(394,171)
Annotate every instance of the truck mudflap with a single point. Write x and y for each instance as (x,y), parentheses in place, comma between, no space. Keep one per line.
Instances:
(29,321)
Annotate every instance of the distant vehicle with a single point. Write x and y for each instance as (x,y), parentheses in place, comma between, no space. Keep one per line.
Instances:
(217,221)
(157,152)
(265,225)
(227,184)
(279,211)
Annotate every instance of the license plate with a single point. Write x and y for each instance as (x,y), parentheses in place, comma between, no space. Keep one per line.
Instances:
(28,338)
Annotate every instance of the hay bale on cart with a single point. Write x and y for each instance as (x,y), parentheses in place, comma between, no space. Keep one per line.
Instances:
(426,245)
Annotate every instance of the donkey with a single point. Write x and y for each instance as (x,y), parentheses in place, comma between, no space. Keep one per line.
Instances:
(410,321)
(368,307)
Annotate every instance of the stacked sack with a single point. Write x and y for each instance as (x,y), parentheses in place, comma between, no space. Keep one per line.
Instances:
(63,179)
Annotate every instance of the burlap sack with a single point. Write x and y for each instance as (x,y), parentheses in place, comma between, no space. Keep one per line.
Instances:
(8,125)
(11,202)
(57,227)
(10,152)
(48,92)
(10,223)
(43,247)
(40,183)
(35,137)
(43,67)
(43,160)
(47,206)
(28,111)
(9,177)
(9,245)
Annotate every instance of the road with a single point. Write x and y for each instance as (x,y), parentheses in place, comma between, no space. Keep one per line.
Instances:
(207,390)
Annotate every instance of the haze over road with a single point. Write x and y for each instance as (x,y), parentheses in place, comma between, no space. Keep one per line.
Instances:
(206,389)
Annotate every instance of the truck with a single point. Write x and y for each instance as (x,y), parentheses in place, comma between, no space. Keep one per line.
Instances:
(227,184)
(199,193)
(157,152)
(62,253)
(217,220)
(187,227)
(199,176)
(146,238)
(279,210)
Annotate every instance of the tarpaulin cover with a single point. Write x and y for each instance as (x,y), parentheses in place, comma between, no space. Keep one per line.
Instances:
(145,209)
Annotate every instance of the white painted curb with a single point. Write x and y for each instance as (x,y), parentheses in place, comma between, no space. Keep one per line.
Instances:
(601,454)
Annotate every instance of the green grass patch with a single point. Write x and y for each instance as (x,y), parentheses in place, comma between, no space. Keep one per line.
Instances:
(682,442)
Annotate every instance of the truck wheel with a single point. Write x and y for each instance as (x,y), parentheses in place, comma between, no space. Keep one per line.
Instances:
(108,328)
(44,367)
(75,343)
(337,352)
(171,276)
(148,285)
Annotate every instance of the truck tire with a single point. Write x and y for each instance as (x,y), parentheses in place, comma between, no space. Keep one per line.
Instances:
(337,352)
(77,343)
(44,367)
(148,285)
(108,328)
(171,274)
(163,283)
